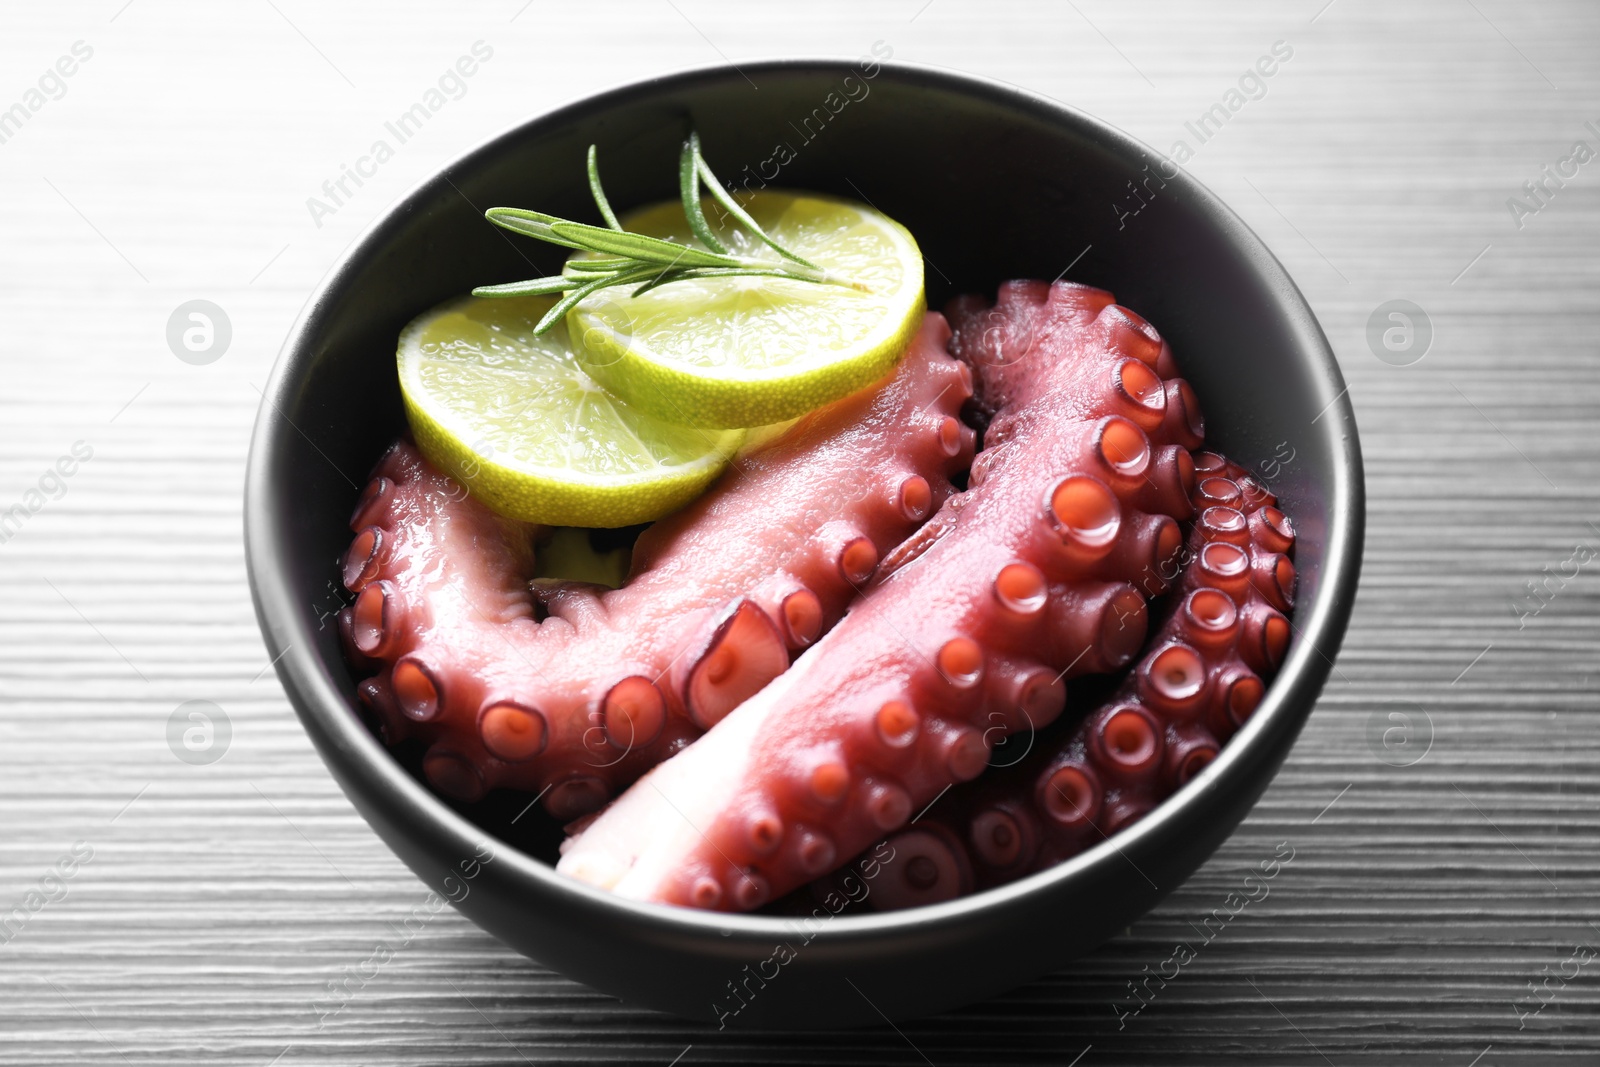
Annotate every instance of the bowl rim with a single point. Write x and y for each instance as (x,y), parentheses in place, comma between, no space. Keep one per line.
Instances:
(339,734)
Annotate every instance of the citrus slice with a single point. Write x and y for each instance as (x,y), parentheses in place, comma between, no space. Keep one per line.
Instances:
(745,351)
(518,422)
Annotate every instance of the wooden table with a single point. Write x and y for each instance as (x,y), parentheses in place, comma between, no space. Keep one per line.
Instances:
(1431,906)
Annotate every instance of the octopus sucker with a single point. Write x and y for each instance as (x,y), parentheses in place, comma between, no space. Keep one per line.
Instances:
(1026,695)
(372,619)
(938,620)
(633,712)
(1124,447)
(580,794)
(1071,794)
(381,711)
(416,687)
(764,832)
(998,838)
(1272,529)
(1168,483)
(742,652)
(373,501)
(1126,741)
(1086,515)
(512,731)
(914,497)
(357,659)
(927,867)
(1020,588)
(952,435)
(1132,334)
(1273,576)
(802,615)
(966,754)
(813,852)
(361,562)
(1146,547)
(453,774)
(1182,422)
(897,723)
(1214,490)
(1210,616)
(573,690)
(829,781)
(1141,394)
(1264,636)
(887,805)
(856,557)
(1191,752)
(1093,625)
(1173,680)
(960,662)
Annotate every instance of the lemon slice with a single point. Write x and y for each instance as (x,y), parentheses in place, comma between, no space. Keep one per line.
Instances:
(518,422)
(746,351)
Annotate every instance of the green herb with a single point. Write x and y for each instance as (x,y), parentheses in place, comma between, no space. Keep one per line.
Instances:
(647,262)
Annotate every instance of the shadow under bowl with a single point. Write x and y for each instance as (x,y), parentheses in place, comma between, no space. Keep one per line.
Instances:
(996,183)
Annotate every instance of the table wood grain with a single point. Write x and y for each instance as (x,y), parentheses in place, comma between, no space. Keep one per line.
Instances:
(1430,908)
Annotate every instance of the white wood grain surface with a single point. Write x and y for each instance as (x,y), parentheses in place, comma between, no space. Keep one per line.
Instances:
(222,899)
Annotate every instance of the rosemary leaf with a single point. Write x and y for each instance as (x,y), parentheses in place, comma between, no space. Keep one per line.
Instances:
(531,287)
(496,214)
(637,246)
(598,264)
(689,190)
(599,194)
(534,224)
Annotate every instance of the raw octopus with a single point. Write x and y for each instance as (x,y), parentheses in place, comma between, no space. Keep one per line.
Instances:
(571,690)
(1202,677)
(1037,572)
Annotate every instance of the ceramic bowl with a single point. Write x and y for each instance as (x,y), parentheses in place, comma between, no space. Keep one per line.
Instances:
(996,183)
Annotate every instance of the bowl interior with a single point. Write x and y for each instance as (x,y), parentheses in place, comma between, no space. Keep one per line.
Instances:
(995,184)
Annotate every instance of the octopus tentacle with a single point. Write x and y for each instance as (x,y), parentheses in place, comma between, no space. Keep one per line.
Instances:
(574,689)
(1203,675)
(1022,583)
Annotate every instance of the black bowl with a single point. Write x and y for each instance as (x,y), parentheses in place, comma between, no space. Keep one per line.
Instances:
(996,183)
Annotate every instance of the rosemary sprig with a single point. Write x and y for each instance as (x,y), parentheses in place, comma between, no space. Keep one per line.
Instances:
(624,258)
